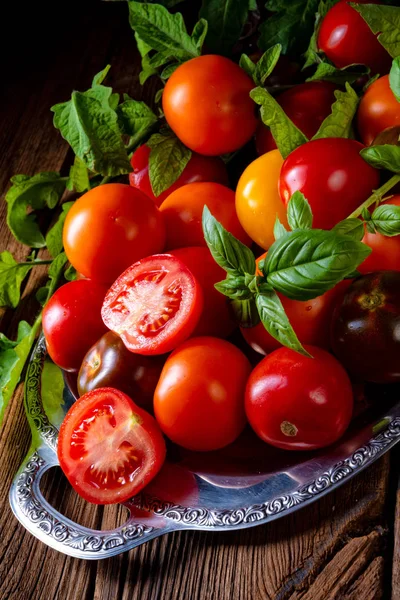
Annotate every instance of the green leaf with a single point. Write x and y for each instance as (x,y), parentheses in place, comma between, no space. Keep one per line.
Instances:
(305,264)
(54,240)
(56,269)
(100,77)
(168,158)
(327,72)
(245,312)
(384,20)
(299,212)
(135,119)
(312,53)
(291,25)
(52,388)
(169,69)
(285,133)
(12,275)
(394,78)
(339,123)
(226,19)
(70,273)
(279,229)
(386,219)
(233,256)
(234,287)
(276,322)
(78,179)
(199,33)
(248,66)
(383,157)
(353,228)
(37,192)
(267,63)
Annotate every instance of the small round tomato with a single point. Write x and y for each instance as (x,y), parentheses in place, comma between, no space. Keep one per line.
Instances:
(72,322)
(206,103)
(183,211)
(307,105)
(346,39)
(109,228)
(199,168)
(154,305)
(257,198)
(199,400)
(109,448)
(109,363)
(333,177)
(298,403)
(385,254)
(378,110)
(216,319)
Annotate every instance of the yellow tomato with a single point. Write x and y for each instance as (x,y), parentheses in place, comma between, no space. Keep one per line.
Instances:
(258,202)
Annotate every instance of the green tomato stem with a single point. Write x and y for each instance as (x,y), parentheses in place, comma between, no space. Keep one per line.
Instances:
(376,196)
(105,179)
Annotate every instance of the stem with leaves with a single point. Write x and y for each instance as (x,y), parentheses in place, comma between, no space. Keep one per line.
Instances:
(376,197)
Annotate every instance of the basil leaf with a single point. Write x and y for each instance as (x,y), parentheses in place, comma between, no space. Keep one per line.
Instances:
(383,157)
(78,179)
(327,72)
(291,25)
(279,229)
(233,256)
(339,123)
(39,191)
(276,322)
(384,20)
(267,63)
(353,228)
(394,78)
(169,69)
(100,77)
(234,287)
(135,119)
(299,214)
(12,275)
(285,133)
(54,240)
(168,158)
(246,313)
(70,273)
(226,19)
(305,264)
(249,67)
(386,219)
(312,53)
(199,33)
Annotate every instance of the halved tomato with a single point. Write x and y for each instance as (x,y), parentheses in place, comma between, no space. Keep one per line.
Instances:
(109,448)
(154,305)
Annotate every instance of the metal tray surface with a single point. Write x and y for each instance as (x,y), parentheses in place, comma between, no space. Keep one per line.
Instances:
(245,484)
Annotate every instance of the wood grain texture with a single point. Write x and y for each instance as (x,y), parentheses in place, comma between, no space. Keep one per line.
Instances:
(339,547)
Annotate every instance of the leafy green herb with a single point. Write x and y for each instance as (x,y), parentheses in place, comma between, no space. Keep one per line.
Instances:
(384,20)
(312,53)
(260,71)
(168,158)
(383,157)
(54,240)
(78,179)
(100,77)
(339,123)
(394,78)
(245,312)
(327,72)
(135,119)
(386,220)
(226,19)
(12,275)
(169,69)
(279,229)
(70,273)
(52,388)
(299,214)
(352,228)
(234,287)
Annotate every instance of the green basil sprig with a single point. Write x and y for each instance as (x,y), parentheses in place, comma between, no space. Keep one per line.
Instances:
(299,214)
(261,70)
(168,158)
(385,220)
(386,157)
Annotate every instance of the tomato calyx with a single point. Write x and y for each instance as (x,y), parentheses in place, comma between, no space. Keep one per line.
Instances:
(372,301)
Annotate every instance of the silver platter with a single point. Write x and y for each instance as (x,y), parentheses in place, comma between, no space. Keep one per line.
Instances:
(244,485)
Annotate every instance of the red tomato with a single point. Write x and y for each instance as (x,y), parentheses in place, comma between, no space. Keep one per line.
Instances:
(307,105)
(216,318)
(299,403)
(346,39)
(109,228)
(72,322)
(378,110)
(109,448)
(206,103)
(199,400)
(385,254)
(154,305)
(333,177)
(199,168)
(183,211)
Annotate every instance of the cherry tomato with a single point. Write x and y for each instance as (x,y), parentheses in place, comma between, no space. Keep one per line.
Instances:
(216,319)
(346,39)
(365,328)
(72,322)
(183,211)
(385,250)
(199,400)
(206,103)
(154,305)
(109,448)
(333,177)
(307,105)
(108,363)
(199,168)
(257,198)
(299,403)
(109,228)
(378,110)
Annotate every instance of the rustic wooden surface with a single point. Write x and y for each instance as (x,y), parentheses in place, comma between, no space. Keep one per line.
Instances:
(346,545)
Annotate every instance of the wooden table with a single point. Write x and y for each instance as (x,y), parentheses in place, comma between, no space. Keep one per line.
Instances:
(346,545)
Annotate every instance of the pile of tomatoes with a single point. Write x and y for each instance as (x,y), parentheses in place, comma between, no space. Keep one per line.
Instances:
(144,327)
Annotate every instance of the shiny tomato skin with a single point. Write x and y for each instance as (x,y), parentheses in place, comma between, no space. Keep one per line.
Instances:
(216,319)
(257,198)
(72,322)
(199,168)
(299,403)
(183,211)
(365,328)
(346,39)
(385,254)
(378,110)
(154,305)
(108,447)
(307,105)
(109,228)
(333,177)
(206,103)
(199,400)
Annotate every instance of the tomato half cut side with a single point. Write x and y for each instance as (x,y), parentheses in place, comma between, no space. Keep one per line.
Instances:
(154,305)
(109,448)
